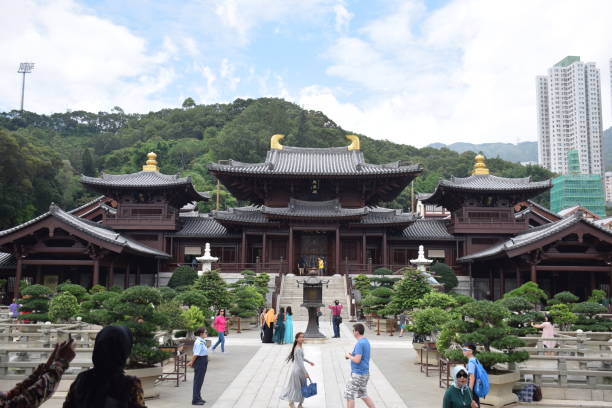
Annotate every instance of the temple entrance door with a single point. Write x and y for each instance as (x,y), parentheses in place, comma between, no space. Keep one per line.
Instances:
(314,245)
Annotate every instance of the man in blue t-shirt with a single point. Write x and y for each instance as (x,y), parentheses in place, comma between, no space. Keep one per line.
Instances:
(469,349)
(356,387)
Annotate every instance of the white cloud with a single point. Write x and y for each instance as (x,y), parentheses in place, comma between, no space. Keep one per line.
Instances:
(82,61)
(342,16)
(465,72)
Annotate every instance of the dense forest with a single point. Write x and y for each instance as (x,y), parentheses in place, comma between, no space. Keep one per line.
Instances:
(42,156)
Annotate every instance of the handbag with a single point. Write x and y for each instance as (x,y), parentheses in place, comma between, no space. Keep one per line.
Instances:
(309,390)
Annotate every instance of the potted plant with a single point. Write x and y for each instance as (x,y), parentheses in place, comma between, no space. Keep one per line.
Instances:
(35,302)
(136,309)
(483,323)
(522,313)
(63,307)
(427,323)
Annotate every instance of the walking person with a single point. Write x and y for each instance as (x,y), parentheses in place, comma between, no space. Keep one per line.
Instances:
(268,326)
(336,309)
(289,326)
(14,309)
(279,330)
(357,386)
(298,376)
(548,332)
(459,395)
(106,385)
(219,325)
(42,383)
(402,323)
(469,351)
(199,362)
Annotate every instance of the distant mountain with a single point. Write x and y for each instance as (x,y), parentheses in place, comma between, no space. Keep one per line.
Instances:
(522,152)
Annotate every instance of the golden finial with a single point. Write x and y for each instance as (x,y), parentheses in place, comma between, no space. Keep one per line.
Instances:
(480,166)
(151,163)
(275,142)
(354,142)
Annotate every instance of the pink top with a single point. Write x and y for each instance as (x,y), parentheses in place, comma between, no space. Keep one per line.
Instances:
(219,323)
(548,332)
(336,309)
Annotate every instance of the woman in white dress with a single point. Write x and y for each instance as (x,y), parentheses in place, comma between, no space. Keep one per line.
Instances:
(297,378)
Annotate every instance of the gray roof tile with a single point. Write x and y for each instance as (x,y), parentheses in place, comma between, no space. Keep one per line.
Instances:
(332,161)
(428,229)
(7,261)
(203,226)
(314,209)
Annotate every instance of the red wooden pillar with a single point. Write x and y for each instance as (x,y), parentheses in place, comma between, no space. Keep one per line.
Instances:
(39,278)
(18,275)
(384,249)
(491,285)
(518,276)
(126,278)
(534,273)
(502,282)
(138,273)
(338,250)
(96,272)
(264,247)
(290,266)
(364,252)
(243,249)
(593,286)
(111,276)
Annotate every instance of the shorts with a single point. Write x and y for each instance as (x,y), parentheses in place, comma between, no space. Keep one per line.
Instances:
(356,387)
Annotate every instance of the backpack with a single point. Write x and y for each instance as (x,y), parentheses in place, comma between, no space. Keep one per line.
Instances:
(481,385)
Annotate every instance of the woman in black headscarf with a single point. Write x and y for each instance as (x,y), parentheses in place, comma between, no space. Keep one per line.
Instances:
(106,385)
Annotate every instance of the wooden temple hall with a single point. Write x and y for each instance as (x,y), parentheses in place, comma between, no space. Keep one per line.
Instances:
(307,207)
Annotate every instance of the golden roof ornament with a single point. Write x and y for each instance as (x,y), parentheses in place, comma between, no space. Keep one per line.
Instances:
(151,163)
(354,142)
(275,142)
(480,166)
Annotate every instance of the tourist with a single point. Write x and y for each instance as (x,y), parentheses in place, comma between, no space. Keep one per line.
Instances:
(301,264)
(402,323)
(106,385)
(14,309)
(199,362)
(289,326)
(356,387)
(279,329)
(459,395)
(548,332)
(336,309)
(469,351)
(219,325)
(43,382)
(321,265)
(298,376)
(268,326)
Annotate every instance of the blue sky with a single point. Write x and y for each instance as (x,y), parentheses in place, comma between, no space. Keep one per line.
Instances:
(411,71)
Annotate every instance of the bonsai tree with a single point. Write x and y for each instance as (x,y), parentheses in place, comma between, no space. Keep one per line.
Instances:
(588,319)
(75,290)
(437,300)
(531,292)
(564,297)
(427,322)
(167,293)
(35,300)
(597,296)
(251,279)
(247,302)
(194,298)
(182,276)
(462,299)
(522,313)
(377,301)
(63,307)
(483,323)
(445,275)
(172,316)
(194,318)
(363,284)
(97,289)
(408,291)
(212,285)
(136,308)
(382,278)
(96,309)
(562,315)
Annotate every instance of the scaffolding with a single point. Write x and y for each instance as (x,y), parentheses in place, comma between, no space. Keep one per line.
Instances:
(585,190)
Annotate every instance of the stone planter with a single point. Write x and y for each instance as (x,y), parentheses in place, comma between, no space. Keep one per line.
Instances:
(434,356)
(500,391)
(147,376)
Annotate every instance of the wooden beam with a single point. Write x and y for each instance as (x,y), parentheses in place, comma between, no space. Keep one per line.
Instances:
(577,268)
(56,262)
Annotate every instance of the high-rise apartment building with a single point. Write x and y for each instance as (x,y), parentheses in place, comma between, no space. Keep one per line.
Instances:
(608,186)
(569,116)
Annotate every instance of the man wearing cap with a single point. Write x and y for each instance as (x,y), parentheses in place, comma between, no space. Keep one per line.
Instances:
(469,349)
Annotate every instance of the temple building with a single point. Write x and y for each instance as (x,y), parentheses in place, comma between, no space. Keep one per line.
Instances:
(307,208)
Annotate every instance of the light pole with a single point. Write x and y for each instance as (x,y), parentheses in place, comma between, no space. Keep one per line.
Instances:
(24,68)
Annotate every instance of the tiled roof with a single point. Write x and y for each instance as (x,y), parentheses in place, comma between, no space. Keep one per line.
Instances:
(382,216)
(7,261)
(314,209)
(203,226)
(303,161)
(533,235)
(550,214)
(96,200)
(92,229)
(248,214)
(428,229)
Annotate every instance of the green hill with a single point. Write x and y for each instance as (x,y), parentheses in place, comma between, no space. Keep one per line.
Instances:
(44,154)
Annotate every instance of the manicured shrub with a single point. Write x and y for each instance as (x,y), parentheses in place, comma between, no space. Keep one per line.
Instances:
(562,316)
(75,290)
(445,275)
(167,293)
(247,302)
(212,285)
(35,300)
(437,300)
(63,307)
(194,298)
(564,297)
(97,289)
(597,296)
(172,316)
(182,276)
(529,291)
(429,321)
(521,316)
(377,301)
(408,291)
